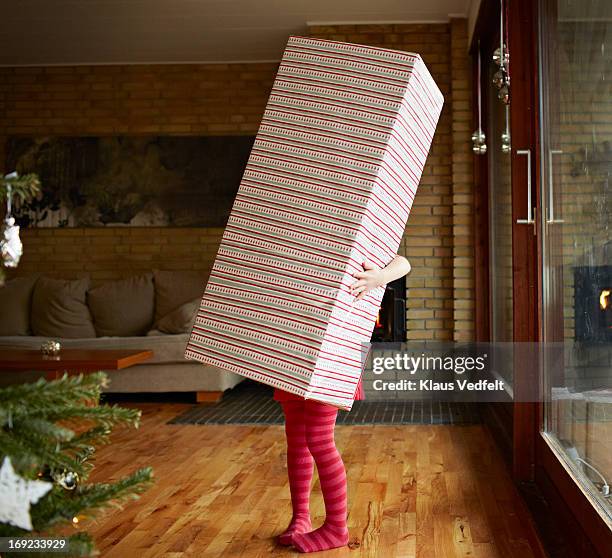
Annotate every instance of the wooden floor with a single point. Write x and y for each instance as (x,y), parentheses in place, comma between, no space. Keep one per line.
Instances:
(221,491)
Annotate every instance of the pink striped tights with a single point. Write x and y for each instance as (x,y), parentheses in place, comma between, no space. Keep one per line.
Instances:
(309,427)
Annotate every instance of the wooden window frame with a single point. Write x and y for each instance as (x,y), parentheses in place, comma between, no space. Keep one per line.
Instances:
(517,427)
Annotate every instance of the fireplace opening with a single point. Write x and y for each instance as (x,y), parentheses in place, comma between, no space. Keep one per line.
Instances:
(391,321)
(605,307)
(604,299)
(593,303)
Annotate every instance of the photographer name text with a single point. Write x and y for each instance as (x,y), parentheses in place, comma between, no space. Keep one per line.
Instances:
(431,385)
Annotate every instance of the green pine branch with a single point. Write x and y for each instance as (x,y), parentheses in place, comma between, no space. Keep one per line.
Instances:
(49,427)
(42,397)
(108,416)
(31,458)
(29,416)
(61,505)
(23,187)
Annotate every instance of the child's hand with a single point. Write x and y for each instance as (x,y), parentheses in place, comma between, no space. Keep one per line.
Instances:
(367,280)
(374,277)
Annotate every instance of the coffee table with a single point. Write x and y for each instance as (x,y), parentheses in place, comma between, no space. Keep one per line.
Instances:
(71,361)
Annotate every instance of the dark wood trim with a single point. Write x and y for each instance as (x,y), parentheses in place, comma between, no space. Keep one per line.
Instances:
(487,12)
(498,418)
(557,541)
(517,427)
(72,361)
(587,532)
(522,25)
(481,212)
(517,421)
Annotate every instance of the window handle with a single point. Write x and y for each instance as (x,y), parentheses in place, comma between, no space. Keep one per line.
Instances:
(551,188)
(530,210)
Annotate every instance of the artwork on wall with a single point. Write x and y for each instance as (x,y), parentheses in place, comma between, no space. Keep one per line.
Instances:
(170,181)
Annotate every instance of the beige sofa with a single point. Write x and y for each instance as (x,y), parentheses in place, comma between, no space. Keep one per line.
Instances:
(152,311)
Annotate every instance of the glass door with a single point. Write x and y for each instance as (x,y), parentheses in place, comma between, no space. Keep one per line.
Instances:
(576,238)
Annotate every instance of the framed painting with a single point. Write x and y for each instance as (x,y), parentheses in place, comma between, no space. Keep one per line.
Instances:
(147,181)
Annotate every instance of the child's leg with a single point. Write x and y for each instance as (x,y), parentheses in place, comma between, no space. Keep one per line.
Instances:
(320,421)
(300,469)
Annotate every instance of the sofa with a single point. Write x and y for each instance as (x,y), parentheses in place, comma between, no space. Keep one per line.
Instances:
(153,310)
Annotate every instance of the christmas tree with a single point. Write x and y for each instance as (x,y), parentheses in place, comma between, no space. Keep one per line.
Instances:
(14,187)
(49,433)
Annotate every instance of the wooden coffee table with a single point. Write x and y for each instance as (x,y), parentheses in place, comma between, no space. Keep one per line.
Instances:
(72,361)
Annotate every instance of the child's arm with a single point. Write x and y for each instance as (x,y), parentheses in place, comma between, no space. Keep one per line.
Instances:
(374,277)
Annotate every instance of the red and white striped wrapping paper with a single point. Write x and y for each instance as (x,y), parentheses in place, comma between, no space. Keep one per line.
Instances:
(329,183)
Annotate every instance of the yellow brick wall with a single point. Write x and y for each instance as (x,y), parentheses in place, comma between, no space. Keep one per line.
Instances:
(181,99)
(218,99)
(438,239)
(110,253)
(462,185)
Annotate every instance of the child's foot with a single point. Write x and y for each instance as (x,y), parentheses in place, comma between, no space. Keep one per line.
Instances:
(299,524)
(325,537)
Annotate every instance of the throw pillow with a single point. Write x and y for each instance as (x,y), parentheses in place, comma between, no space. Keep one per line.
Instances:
(174,288)
(181,319)
(123,308)
(59,308)
(16,303)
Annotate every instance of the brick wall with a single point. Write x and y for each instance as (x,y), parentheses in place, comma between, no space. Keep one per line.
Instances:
(182,99)
(229,99)
(439,236)
(462,185)
(135,99)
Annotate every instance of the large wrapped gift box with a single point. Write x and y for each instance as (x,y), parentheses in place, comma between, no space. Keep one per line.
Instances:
(329,183)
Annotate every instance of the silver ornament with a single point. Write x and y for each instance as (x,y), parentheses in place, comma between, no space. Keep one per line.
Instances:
(479,146)
(11,247)
(497,56)
(499,79)
(505,145)
(504,95)
(68,480)
(51,347)
(478,136)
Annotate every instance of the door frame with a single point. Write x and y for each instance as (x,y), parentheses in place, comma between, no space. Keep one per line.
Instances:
(524,129)
(513,424)
(518,427)
(588,531)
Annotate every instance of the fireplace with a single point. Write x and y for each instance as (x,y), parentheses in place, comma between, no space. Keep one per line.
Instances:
(391,321)
(593,303)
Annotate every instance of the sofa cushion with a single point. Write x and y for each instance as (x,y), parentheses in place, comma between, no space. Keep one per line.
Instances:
(123,308)
(175,288)
(59,308)
(181,319)
(16,303)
